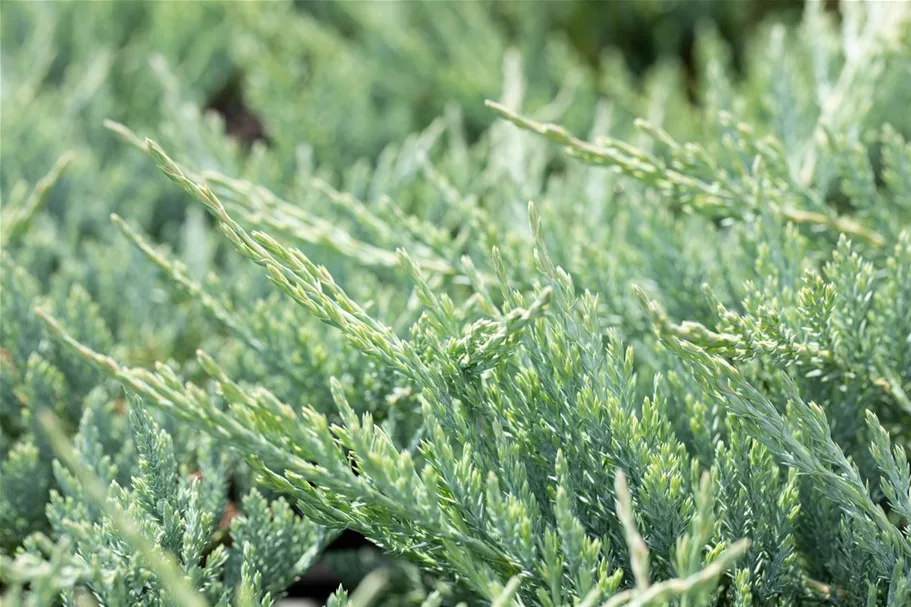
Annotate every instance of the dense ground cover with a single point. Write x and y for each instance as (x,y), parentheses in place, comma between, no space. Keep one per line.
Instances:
(546,323)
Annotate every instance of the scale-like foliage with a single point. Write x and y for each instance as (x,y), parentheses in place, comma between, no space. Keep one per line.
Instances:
(680,375)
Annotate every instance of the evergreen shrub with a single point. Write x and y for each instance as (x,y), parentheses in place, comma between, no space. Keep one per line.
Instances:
(272,272)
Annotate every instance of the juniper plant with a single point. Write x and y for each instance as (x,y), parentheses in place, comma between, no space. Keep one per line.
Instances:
(680,375)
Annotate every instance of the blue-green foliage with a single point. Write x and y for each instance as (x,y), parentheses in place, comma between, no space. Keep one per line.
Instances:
(680,375)
(182,513)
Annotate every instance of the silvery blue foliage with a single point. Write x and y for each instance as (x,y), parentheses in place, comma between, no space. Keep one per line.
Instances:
(637,342)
